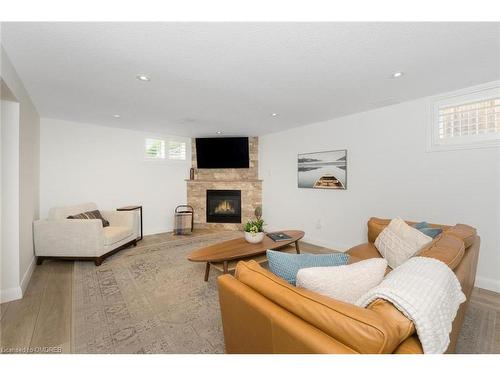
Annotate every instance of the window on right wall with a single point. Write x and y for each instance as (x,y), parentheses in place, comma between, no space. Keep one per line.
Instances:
(467,119)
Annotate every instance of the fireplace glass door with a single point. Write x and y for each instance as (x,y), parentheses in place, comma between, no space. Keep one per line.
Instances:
(223,206)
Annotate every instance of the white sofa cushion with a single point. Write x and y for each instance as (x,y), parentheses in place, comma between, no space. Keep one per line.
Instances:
(345,283)
(398,242)
(115,234)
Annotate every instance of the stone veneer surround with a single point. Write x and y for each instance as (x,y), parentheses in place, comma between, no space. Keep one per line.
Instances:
(245,179)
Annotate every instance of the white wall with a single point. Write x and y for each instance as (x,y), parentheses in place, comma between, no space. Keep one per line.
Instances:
(9,257)
(29,157)
(90,163)
(389,174)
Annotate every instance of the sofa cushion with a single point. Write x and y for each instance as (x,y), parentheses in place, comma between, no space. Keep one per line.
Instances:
(398,242)
(363,251)
(95,214)
(363,329)
(287,265)
(344,283)
(465,232)
(377,225)
(446,248)
(411,345)
(113,235)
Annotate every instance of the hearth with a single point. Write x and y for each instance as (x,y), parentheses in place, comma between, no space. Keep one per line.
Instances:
(223,206)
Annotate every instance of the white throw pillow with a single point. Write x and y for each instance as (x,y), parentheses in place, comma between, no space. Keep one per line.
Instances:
(398,242)
(345,283)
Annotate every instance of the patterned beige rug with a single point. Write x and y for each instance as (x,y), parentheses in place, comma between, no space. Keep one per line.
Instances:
(148,299)
(151,299)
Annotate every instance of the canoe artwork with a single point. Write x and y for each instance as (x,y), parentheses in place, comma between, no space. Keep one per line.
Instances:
(323,170)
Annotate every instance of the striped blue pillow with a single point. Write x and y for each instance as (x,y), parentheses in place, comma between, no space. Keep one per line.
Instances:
(287,265)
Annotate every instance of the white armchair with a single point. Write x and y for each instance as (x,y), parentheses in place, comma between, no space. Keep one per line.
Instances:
(59,237)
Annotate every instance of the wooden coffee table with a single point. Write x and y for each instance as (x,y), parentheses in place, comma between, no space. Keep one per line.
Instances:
(240,249)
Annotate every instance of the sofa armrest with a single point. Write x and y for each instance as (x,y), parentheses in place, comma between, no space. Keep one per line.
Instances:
(120,218)
(71,238)
(365,330)
(254,324)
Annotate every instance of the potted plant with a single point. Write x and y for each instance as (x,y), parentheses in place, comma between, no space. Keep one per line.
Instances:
(254,229)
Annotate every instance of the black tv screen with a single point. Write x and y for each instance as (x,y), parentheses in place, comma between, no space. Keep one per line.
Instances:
(222,152)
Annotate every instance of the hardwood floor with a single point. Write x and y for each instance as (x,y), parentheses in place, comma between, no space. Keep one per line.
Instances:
(41,321)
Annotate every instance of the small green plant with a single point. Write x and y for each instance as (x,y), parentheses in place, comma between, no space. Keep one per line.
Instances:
(254,226)
(257,225)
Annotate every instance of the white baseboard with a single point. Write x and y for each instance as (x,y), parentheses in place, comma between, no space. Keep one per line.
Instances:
(158,231)
(11,294)
(487,283)
(27,275)
(17,292)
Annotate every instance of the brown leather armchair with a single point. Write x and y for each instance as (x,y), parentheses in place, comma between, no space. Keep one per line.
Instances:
(261,313)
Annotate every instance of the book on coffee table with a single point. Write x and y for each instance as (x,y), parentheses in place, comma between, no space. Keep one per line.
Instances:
(278,236)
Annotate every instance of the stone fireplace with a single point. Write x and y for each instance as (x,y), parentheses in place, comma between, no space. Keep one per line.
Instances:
(244,181)
(223,206)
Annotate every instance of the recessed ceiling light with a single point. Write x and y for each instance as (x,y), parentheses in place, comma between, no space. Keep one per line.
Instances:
(116,116)
(397,74)
(218,132)
(143,77)
(274,114)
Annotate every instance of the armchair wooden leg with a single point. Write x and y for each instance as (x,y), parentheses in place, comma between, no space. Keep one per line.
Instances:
(98,261)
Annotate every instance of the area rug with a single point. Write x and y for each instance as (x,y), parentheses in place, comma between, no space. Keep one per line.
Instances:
(148,299)
(151,299)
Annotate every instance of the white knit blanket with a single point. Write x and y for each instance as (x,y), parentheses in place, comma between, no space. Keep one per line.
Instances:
(427,292)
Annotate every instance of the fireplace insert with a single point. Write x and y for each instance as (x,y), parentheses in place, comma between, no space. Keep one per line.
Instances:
(223,206)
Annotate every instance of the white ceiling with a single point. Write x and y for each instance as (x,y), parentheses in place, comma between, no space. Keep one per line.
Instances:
(231,76)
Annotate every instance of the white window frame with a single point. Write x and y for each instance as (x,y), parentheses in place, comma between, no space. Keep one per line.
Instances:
(469,95)
(167,140)
(167,150)
(159,139)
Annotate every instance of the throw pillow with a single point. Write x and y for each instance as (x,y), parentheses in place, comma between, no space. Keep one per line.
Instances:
(91,215)
(344,283)
(398,242)
(287,265)
(427,230)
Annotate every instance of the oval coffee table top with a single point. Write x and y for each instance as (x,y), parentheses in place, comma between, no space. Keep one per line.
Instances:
(239,248)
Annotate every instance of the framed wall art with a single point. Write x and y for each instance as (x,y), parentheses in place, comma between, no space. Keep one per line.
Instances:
(323,170)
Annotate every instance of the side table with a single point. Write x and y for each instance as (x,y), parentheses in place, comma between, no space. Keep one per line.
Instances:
(133,208)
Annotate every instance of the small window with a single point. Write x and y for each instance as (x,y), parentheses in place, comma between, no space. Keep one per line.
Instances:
(176,150)
(155,148)
(468,120)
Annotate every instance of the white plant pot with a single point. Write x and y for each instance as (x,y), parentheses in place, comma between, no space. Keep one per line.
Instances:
(254,237)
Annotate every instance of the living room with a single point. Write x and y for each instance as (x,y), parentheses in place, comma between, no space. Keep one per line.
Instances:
(250,187)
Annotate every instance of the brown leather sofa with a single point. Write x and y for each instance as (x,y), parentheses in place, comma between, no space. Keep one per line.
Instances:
(262,313)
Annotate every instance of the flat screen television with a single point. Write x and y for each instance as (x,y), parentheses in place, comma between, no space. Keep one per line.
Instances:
(222,152)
